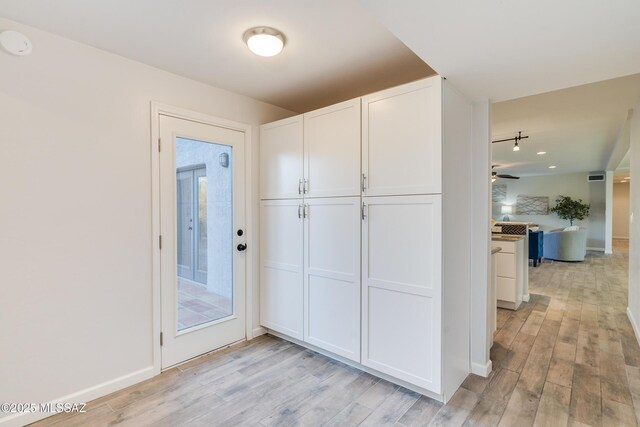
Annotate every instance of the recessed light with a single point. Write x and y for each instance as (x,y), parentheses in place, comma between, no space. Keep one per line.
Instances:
(15,43)
(264,41)
(627,177)
(623,181)
(552,167)
(540,153)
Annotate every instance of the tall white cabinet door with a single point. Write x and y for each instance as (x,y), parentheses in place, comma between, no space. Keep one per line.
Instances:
(402,138)
(332,150)
(401,288)
(332,275)
(281,266)
(281,159)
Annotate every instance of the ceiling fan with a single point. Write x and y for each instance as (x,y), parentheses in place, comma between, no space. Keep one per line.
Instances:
(495,175)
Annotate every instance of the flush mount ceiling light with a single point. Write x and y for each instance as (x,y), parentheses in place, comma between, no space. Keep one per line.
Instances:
(540,153)
(552,167)
(264,41)
(15,43)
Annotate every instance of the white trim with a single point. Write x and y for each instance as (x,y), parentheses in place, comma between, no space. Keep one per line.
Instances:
(525,298)
(621,237)
(634,325)
(82,396)
(482,370)
(259,331)
(158,109)
(589,248)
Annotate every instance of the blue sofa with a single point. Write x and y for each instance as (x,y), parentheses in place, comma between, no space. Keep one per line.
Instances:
(536,245)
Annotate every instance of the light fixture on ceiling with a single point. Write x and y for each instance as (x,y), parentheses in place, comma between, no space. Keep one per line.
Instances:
(552,167)
(540,153)
(624,180)
(516,139)
(264,41)
(15,43)
(627,177)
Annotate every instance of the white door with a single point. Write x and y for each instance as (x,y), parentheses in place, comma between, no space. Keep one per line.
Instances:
(332,150)
(402,139)
(281,152)
(202,306)
(401,288)
(332,275)
(281,291)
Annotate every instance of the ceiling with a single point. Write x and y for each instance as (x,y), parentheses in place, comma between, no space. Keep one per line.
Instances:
(335,50)
(577,127)
(500,50)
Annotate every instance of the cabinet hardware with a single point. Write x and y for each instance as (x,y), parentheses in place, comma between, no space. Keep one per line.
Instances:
(364,182)
(305,210)
(364,215)
(305,186)
(161,340)
(300,186)
(299,212)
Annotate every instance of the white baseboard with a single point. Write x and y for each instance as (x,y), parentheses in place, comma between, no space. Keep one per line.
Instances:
(482,370)
(259,331)
(621,237)
(525,297)
(595,249)
(634,325)
(82,396)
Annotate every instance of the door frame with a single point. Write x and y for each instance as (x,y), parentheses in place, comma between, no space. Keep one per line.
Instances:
(158,109)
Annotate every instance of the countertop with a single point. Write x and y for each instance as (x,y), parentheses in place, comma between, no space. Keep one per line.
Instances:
(495,249)
(506,237)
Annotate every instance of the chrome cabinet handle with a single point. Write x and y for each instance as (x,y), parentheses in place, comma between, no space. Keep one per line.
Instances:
(305,187)
(305,210)
(299,211)
(364,182)
(364,215)
(300,186)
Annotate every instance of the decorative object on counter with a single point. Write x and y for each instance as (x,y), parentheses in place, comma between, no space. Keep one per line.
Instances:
(536,246)
(513,229)
(570,209)
(532,205)
(506,210)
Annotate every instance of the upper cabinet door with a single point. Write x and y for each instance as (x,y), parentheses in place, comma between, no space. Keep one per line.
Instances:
(402,139)
(332,150)
(281,152)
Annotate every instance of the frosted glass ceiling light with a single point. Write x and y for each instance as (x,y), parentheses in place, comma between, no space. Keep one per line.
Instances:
(264,41)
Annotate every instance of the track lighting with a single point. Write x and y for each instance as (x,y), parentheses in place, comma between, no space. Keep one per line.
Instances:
(516,147)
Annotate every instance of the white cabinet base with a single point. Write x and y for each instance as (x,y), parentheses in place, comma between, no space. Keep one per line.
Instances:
(391,379)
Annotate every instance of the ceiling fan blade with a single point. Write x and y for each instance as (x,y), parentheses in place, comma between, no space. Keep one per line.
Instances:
(507,176)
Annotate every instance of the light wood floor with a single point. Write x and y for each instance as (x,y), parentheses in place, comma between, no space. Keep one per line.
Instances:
(568,357)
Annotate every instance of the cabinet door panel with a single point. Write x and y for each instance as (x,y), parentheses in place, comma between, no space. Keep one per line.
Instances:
(281,267)
(281,159)
(332,275)
(506,265)
(332,150)
(506,289)
(402,139)
(401,288)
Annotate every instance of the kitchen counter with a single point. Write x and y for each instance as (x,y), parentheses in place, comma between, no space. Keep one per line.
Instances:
(506,237)
(495,249)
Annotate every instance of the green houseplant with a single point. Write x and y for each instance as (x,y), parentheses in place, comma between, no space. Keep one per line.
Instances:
(570,209)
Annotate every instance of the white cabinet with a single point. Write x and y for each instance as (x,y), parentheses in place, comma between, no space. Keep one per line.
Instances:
(332,150)
(332,275)
(402,139)
(510,265)
(281,152)
(281,266)
(402,288)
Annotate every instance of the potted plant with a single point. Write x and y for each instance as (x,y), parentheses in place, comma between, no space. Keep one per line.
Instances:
(570,209)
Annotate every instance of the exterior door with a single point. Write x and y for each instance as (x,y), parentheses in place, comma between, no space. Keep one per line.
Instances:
(202,259)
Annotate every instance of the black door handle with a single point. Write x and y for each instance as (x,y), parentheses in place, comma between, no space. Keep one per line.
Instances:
(242,247)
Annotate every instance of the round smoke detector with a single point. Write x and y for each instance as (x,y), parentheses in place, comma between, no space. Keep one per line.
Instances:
(15,43)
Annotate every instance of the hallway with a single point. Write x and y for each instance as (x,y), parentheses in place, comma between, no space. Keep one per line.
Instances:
(569,355)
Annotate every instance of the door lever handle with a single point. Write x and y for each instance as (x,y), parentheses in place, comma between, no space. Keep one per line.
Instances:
(242,247)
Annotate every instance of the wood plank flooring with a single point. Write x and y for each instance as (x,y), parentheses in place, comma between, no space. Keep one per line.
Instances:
(568,357)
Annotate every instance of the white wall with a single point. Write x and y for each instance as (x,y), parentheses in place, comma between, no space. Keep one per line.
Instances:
(75,213)
(574,185)
(621,210)
(634,227)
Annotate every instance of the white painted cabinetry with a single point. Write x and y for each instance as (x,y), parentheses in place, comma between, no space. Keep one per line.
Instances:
(386,240)
(402,288)
(332,150)
(281,266)
(402,140)
(281,154)
(510,271)
(332,275)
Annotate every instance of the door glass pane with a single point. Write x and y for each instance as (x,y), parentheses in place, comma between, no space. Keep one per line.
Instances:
(204,226)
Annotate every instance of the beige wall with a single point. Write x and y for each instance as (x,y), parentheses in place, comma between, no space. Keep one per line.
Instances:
(621,210)
(75,213)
